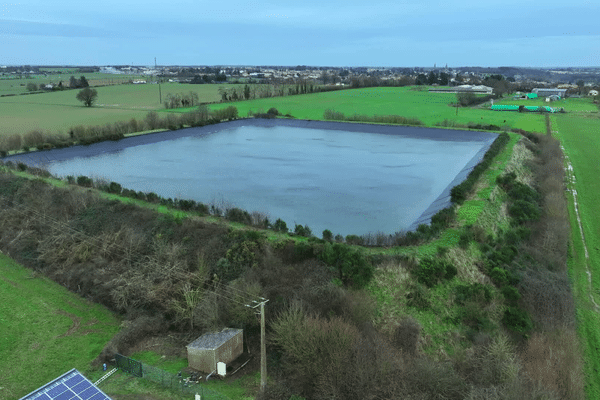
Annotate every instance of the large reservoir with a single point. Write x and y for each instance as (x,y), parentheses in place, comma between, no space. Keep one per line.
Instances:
(349,178)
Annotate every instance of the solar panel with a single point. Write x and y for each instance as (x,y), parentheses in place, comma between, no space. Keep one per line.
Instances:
(69,386)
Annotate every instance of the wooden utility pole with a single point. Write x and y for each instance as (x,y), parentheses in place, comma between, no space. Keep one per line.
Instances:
(263,349)
(263,346)
(158,81)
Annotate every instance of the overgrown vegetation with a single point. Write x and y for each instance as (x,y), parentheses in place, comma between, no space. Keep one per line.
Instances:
(380,119)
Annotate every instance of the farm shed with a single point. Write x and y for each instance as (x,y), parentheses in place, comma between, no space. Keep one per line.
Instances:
(548,92)
(205,352)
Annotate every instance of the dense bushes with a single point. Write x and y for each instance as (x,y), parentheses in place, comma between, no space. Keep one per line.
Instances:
(433,270)
(380,119)
(460,192)
(352,267)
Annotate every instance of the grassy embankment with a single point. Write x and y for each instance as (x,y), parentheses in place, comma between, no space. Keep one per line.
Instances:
(439,320)
(580,136)
(45,330)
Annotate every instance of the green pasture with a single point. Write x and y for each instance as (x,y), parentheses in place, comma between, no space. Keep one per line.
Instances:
(45,330)
(17,84)
(59,111)
(580,137)
(431,108)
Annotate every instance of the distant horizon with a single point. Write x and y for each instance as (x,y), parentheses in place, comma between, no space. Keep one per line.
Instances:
(296,65)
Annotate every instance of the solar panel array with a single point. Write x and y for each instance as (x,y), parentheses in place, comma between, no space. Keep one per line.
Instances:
(70,386)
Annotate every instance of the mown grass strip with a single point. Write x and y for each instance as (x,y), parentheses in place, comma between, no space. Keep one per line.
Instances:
(581,140)
(45,330)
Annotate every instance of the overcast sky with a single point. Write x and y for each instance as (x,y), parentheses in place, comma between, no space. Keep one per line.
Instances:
(402,33)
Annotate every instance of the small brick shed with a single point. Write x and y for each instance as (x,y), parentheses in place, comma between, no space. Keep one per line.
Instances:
(205,352)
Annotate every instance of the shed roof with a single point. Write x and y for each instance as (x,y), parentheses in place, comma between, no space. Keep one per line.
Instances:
(211,341)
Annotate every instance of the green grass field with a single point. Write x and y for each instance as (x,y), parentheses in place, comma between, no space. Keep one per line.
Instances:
(13,84)
(45,330)
(581,140)
(59,111)
(430,108)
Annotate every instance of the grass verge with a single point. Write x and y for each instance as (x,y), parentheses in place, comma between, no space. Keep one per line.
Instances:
(45,330)
(580,138)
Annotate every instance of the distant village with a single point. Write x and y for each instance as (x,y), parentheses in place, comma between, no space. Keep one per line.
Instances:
(575,81)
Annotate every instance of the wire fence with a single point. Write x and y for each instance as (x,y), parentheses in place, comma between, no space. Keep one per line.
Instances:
(179,383)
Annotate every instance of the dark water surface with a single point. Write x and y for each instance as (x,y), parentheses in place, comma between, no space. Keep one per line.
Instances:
(348,181)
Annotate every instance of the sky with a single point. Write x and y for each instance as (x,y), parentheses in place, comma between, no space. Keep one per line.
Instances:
(382,33)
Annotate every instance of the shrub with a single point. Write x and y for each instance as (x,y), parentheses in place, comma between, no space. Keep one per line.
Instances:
(302,230)
(430,271)
(152,120)
(33,139)
(333,115)
(406,335)
(418,297)
(476,292)
(280,226)
(311,344)
(434,380)
(327,235)
(84,181)
(517,320)
(151,197)
(523,211)
(114,187)
(354,239)
(476,317)
(14,142)
(352,266)
(511,294)
(238,215)
(499,276)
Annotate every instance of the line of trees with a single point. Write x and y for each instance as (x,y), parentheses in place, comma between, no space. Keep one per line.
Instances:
(261,91)
(42,140)
(75,83)
(181,100)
